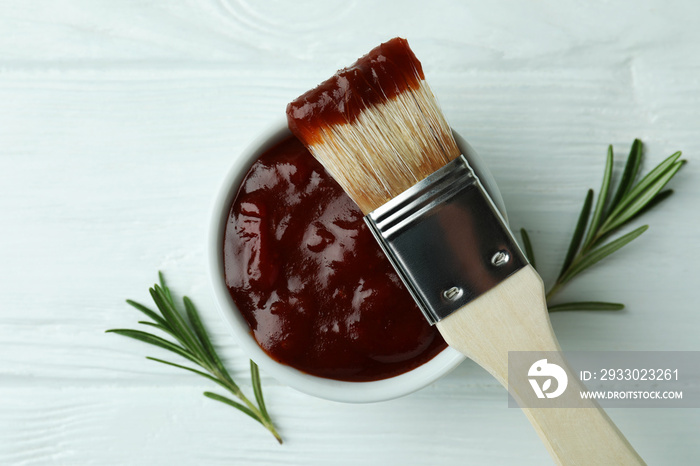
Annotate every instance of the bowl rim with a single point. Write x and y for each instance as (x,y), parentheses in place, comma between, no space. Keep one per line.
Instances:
(330,389)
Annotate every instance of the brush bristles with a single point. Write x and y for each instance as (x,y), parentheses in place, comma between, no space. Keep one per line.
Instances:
(388,148)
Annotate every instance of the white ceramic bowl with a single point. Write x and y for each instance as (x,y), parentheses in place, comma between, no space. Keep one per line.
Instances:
(353,392)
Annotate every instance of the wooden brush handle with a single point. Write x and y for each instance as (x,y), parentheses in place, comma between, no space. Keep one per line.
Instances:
(513,317)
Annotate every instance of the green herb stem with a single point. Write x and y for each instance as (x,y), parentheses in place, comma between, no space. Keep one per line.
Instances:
(194,345)
(629,202)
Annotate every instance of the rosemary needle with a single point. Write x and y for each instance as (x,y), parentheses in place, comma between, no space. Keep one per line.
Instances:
(193,344)
(612,211)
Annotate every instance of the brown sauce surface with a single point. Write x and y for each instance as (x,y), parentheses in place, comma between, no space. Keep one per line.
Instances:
(310,280)
(387,70)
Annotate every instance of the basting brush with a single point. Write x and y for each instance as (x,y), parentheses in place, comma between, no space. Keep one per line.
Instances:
(379,131)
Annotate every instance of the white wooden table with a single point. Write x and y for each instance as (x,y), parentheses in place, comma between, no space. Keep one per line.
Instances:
(118,119)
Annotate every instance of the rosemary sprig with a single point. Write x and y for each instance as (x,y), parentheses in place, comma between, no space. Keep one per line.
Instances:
(611,212)
(194,344)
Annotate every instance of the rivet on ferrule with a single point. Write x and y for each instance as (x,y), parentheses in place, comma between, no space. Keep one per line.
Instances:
(453,293)
(500,258)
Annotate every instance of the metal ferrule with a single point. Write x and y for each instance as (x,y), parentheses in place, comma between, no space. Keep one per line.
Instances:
(446,239)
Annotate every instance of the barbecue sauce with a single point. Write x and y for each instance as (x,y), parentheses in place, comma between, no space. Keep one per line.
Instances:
(310,280)
(386,71)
